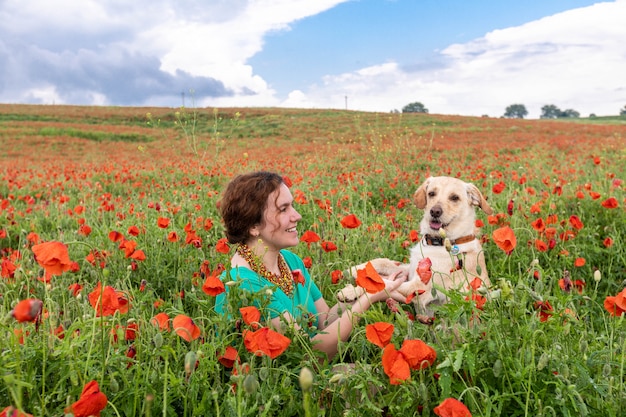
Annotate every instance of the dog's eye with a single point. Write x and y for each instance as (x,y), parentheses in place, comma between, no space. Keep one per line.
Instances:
(454,197)
(431,194)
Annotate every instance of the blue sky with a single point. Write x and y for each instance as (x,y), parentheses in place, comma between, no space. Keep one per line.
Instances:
(456,57)
(357,34)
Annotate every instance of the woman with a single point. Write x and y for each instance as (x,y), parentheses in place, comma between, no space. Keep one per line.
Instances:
(260,218)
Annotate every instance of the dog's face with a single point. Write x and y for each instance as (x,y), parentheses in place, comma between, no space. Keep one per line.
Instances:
(449,204)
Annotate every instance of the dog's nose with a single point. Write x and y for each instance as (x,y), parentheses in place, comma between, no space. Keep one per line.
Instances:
(436,211)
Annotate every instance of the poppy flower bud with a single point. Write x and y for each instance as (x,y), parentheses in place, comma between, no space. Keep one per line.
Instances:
(447,244)
(337,378)
(190,362)
(442,232)
(250,384)
(114,386)
(306,379)
(597,276)
(543,361)
(158,340)
(497,368)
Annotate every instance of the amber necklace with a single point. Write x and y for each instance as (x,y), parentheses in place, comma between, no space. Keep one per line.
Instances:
(284,281)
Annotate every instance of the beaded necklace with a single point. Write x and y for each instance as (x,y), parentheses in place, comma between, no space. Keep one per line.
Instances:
(284,281)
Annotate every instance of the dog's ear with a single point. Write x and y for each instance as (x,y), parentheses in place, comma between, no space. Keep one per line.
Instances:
(477,198)
(419,198)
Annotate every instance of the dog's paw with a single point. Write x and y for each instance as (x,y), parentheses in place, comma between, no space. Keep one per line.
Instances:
(350,293)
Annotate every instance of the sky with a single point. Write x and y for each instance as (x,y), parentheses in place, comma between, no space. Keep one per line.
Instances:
(458,57)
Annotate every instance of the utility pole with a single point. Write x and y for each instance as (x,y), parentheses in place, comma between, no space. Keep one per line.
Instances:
(183,97)
(346,102)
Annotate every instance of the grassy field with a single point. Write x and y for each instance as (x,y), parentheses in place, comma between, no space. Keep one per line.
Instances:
(118,205)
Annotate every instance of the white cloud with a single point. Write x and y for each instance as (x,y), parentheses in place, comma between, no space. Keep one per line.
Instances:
(575,59)
(176,46)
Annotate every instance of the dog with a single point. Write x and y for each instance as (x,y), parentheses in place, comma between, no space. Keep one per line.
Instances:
(448,240)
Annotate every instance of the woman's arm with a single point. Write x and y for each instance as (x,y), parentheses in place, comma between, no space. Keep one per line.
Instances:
(337,322)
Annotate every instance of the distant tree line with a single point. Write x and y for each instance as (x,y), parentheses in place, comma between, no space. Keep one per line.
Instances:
(514,111)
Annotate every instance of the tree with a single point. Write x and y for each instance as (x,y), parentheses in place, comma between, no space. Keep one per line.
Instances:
(550,111)
(570,113)
(415,107)
(516,111)
(622,112)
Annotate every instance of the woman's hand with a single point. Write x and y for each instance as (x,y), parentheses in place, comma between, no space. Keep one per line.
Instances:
(392,282)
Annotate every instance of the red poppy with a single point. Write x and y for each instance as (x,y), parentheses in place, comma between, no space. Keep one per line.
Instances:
(84,230)
(616,305)
(328,246)
(229,357)
(75,289)
(451,407)
(504,237)
(91,401)
(336,276)
(161,320)
(133,231)
(298,276)
(265,342)
(610,203)
(11,411)
(28,310)
(8,268)
(222,246)
(498,188)
(138,255)
(185,327)
(395,366)
(424,271)
(369,279)
(251,316)
(379,333)
(575,222)
(607,242)
(107,301)
(308,262)
(479,300)
(53,257)
(172,236)
(579,262)
(545,310)
(418,354)
(213,285)
(33,238)
(130,331)
(350,221)
(414,235)
(510,207)
(538,225)
(540,245)
(309,237)
(163,222)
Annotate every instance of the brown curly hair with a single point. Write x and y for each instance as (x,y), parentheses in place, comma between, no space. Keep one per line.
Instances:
(244,201)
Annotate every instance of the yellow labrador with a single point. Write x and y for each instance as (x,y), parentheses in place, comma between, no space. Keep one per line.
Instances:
(448,240)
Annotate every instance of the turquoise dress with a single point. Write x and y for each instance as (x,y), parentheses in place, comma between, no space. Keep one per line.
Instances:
(300,304)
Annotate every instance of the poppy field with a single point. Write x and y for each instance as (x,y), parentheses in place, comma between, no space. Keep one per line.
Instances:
(111,248)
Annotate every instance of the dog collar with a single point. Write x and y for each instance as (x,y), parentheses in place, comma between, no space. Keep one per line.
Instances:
(439,241)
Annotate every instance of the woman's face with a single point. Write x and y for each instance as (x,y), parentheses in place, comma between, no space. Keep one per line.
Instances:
(280,219)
